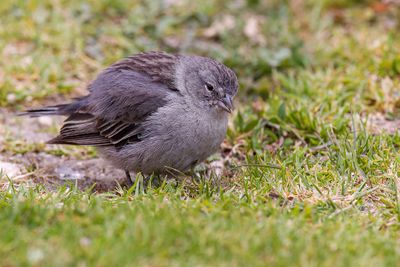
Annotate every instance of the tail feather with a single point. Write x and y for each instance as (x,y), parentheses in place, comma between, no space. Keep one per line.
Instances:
(63,109)
(78,129)
(45,111)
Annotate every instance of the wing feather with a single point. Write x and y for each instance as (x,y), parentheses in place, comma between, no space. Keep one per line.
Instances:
(121,98)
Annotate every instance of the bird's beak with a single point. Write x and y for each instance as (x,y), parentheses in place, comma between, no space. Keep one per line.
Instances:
(226,103)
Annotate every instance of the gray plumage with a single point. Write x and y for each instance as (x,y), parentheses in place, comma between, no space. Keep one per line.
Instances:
(152,112)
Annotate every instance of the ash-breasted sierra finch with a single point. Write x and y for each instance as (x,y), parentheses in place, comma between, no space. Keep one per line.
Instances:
(152,112)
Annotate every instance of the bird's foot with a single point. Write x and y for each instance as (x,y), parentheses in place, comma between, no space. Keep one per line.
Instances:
(129,181)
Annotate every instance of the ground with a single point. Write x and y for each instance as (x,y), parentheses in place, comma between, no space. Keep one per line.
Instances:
(307,176)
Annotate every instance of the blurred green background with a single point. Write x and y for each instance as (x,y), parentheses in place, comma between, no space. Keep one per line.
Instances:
(55,47)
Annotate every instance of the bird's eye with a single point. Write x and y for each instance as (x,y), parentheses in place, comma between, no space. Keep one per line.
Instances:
(209,87)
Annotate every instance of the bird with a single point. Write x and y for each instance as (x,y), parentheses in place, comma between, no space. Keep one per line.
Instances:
(153,112)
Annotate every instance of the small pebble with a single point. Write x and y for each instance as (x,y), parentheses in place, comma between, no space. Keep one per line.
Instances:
(67,173)
(45,121)
(11,98)
(9,169)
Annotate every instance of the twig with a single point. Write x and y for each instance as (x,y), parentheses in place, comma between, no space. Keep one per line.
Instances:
(22,176)
(321,147)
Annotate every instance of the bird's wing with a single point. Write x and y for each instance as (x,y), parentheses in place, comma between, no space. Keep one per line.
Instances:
(120,99)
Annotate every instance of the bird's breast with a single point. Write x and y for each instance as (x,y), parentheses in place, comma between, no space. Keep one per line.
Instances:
(189,129)
(179,135)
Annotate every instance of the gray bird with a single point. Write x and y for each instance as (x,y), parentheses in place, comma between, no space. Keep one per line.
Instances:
(152,112)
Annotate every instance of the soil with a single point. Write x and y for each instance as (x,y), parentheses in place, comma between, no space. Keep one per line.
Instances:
(46,168)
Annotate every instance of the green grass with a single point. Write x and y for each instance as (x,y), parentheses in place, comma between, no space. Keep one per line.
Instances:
(162,229)
(308,179)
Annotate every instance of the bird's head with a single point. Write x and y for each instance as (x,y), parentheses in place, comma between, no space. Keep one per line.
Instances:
(209,83)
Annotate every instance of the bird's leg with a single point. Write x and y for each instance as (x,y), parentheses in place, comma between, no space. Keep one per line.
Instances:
(129,179)
(148,180)
(145,181)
